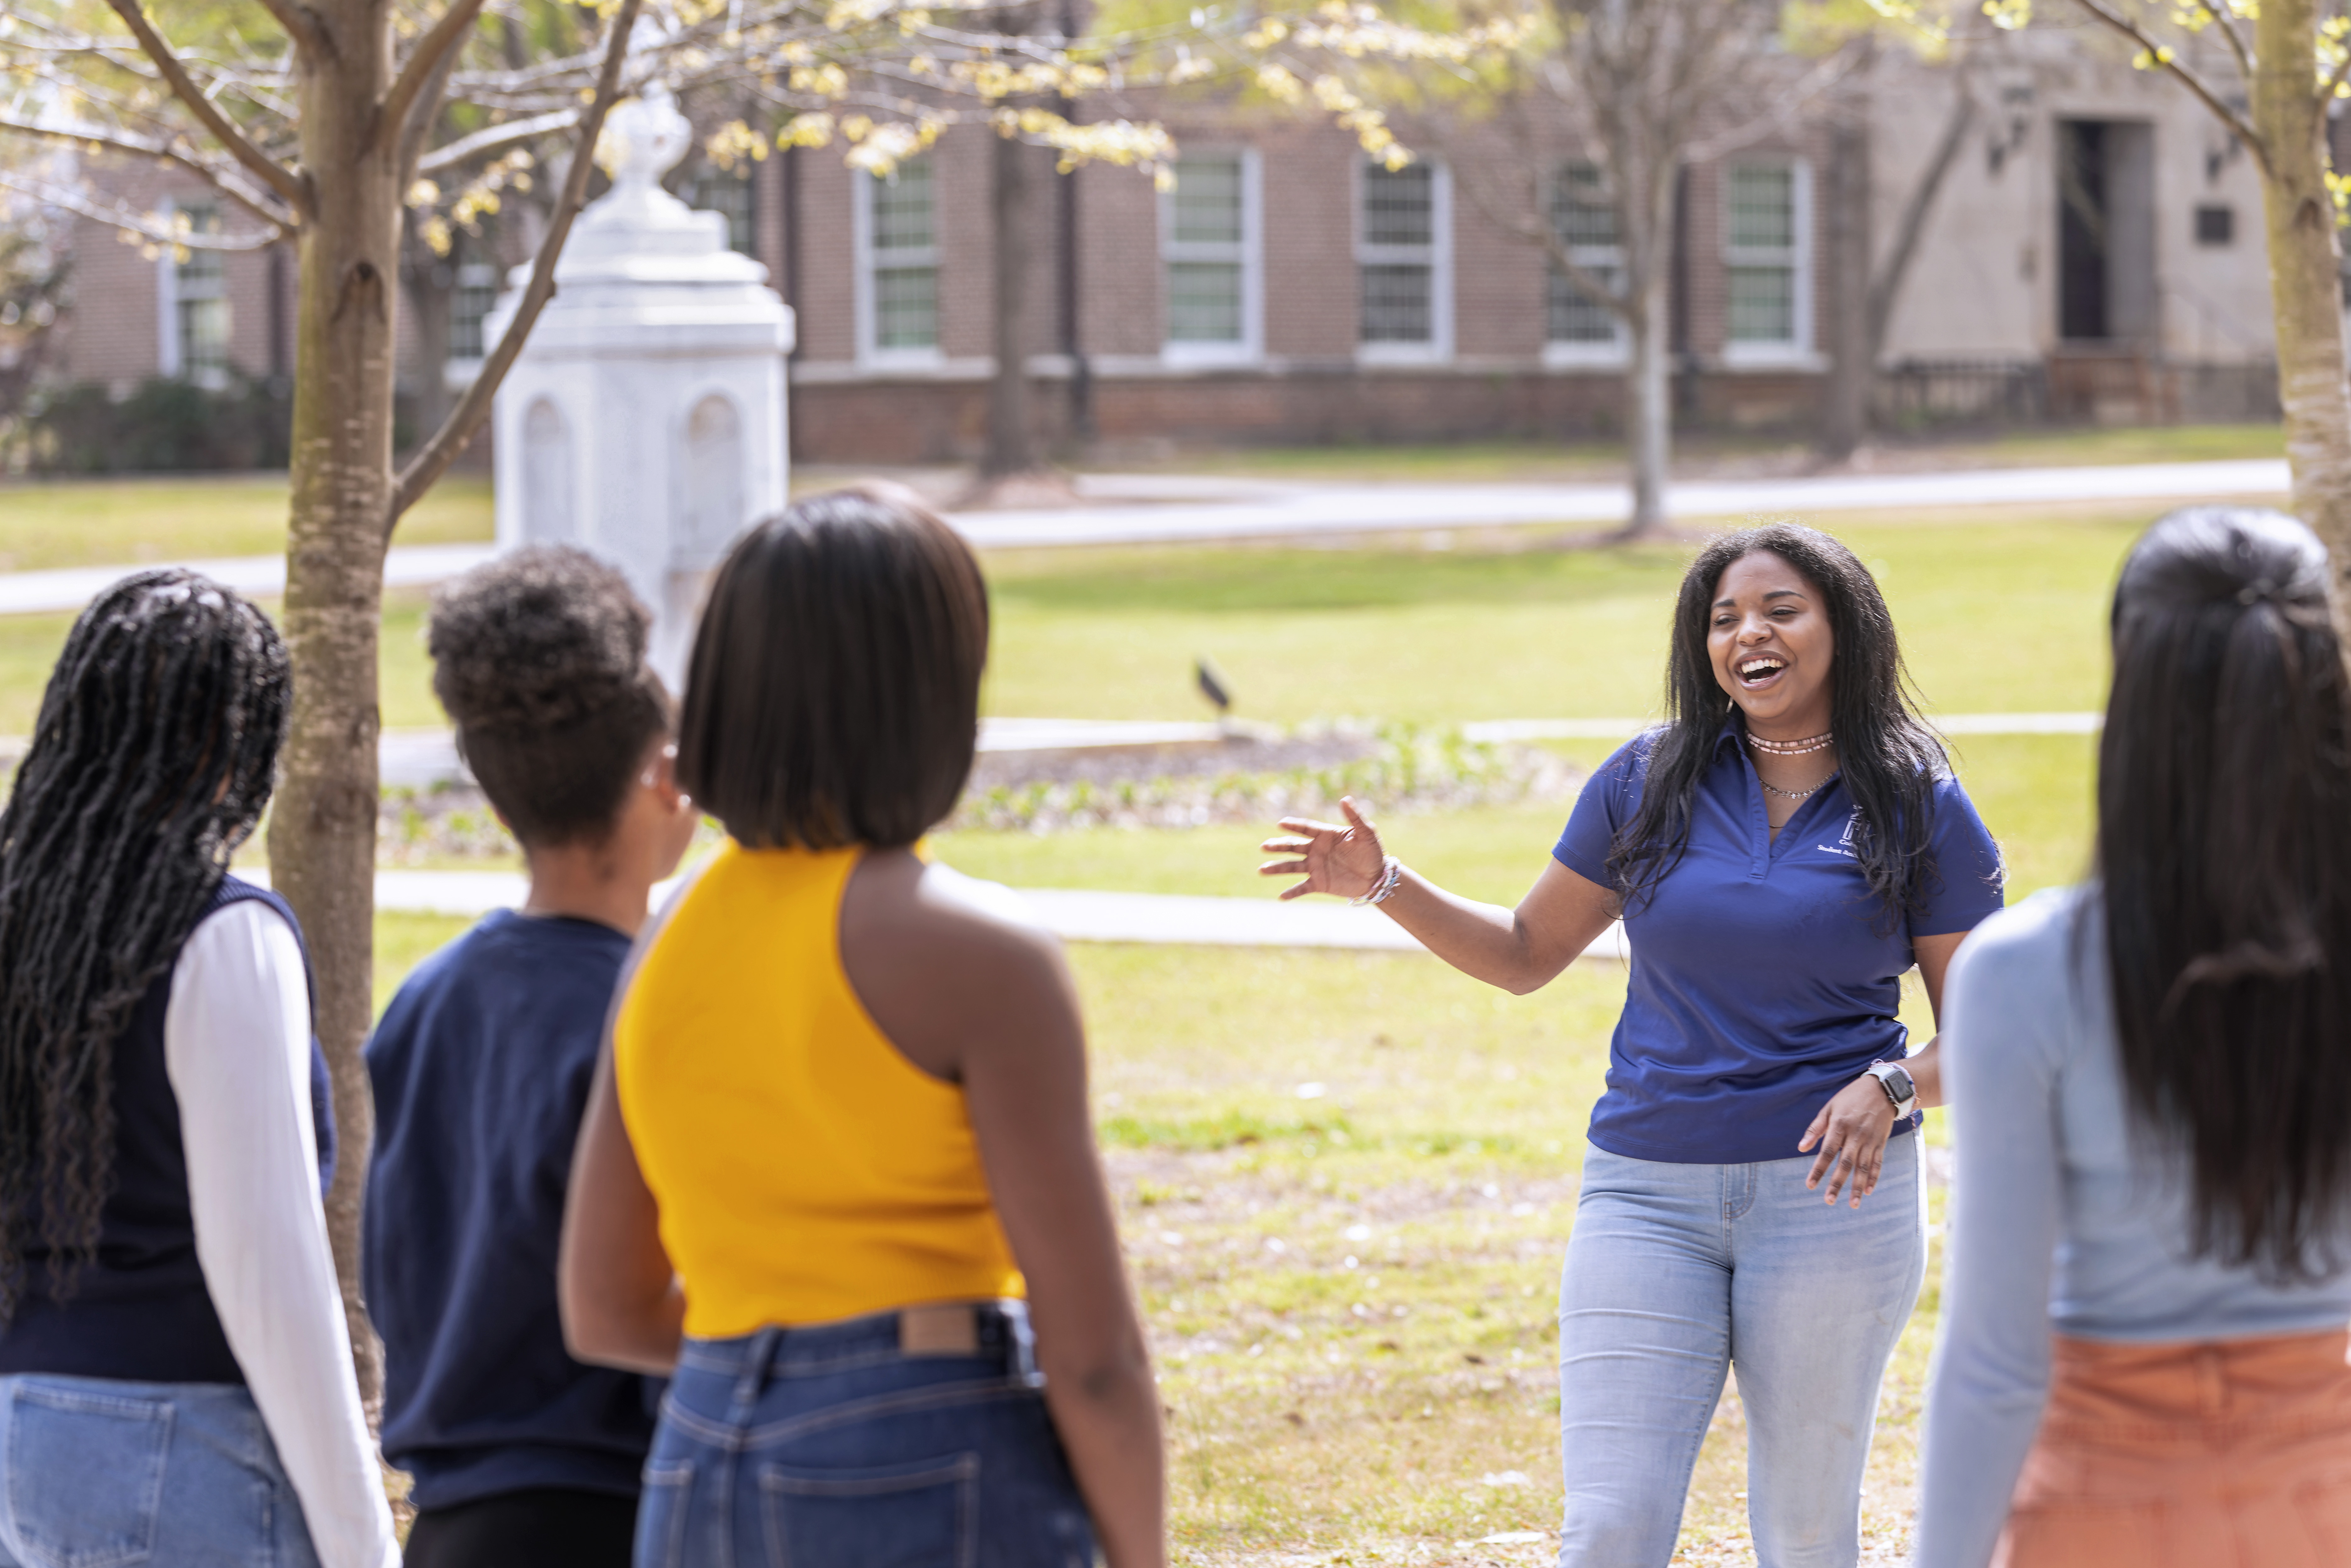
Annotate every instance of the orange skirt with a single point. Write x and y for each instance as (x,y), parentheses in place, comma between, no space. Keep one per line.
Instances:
(2236,1452)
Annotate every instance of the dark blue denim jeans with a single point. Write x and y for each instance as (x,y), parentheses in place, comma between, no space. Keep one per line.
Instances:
(831,1447)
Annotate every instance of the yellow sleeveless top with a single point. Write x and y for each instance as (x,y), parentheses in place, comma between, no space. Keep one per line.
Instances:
(806,1171)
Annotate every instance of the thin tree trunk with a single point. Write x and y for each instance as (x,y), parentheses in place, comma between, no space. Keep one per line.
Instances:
(1011,437)
(1853,357)
(322,829)
(1648,408)
(2305,277)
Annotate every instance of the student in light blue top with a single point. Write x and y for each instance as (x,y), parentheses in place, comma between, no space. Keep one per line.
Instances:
(2144,1299)
(1780,853)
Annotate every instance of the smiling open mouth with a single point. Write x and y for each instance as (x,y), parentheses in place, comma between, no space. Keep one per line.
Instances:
(1761,669)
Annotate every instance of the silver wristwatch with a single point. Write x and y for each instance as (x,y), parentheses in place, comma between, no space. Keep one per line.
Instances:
(1895,1078)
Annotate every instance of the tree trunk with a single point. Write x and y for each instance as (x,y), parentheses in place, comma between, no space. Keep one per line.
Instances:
(1648,408)
(322,829)
(2305,277)
(1011,440)
(1853,357)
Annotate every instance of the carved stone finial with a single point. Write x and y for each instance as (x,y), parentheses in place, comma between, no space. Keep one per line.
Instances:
(643,139)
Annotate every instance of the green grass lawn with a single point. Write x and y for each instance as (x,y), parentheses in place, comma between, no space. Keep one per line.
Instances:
(100,522)
(1575,461)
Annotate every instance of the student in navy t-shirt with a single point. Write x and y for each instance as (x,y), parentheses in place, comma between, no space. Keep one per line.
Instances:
(520,1456)
(1780,853)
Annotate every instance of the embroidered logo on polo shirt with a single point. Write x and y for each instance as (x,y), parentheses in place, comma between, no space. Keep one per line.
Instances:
(1844,846)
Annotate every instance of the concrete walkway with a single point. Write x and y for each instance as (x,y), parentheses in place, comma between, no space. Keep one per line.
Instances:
(1073,915)
(1304,511)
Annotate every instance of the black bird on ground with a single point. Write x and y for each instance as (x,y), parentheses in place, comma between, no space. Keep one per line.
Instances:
(1212,686)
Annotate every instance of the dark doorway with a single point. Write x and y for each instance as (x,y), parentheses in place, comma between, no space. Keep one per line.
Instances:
(2081,230)
(2106,231)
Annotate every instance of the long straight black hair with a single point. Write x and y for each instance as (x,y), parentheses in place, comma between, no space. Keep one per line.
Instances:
(1889,757)
(154,753)
(2224,856)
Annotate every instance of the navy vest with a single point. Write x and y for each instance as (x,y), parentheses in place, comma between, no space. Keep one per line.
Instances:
(140,1310)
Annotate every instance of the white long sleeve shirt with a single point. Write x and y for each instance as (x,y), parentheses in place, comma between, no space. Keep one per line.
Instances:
(236,1046)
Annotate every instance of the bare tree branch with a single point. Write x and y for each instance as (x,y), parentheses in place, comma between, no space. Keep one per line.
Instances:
(2335,78)
(139,224)
(161,153)
(2219,11)
(422,115)
(279,178)
(428,64)
(1887,285)
(432,459)
(2164,56)
(1786,108)
(303,26)
(496,139)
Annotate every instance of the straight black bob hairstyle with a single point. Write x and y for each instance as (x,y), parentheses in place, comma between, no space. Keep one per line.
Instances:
(833,695)
(1889,758)
(2224,857)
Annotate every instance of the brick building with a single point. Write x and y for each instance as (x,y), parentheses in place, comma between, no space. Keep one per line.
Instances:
(2095,252)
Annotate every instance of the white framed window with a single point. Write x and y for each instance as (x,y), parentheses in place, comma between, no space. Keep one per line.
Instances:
(477,290)
(731,194)
(193,296)
(1403,263)
(896,232)
(1579,329)
(1767,263)
(1211,255)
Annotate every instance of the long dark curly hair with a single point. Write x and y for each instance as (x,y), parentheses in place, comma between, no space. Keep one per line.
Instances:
(153,756)
(1889,757)
(2224,858)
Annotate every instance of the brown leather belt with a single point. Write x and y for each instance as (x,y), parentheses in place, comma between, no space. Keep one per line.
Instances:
(943,1328)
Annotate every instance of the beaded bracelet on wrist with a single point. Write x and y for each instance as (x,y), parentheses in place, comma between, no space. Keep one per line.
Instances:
(1391,873)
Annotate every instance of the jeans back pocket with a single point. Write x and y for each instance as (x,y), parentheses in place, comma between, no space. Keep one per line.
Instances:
(922,1514)
(85,1475)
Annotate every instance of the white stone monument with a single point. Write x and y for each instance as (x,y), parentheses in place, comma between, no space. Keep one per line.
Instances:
(644,417)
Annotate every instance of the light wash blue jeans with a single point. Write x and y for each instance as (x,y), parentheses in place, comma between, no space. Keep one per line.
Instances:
(1675,1273)
(99,1474)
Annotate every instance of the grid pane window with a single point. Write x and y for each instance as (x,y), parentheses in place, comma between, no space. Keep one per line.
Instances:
(1586,221)
(1579,209)
(903,209)
(1575,317)
(477,290)
(716,190)
(1763,255)
(1204,302)
(903,278)
(1403,262)
(1399,303)
(1206,228)
(1207,203)
(200,291)
(1399,204)
(1763,208)
(1763,304)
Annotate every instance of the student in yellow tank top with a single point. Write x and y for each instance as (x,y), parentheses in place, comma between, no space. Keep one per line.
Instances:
(837,1177)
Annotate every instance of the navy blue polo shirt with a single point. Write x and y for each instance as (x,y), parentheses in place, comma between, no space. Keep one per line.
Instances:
(481,1067)
(1761,983)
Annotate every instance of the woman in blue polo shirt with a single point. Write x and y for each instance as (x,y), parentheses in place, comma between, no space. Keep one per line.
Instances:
(1780,853)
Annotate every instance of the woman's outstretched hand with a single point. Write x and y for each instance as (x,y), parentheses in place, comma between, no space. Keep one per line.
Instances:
(1344,860)
(1850,1129)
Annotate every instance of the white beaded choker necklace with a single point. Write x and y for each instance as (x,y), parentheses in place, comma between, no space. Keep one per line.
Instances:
(1791,747)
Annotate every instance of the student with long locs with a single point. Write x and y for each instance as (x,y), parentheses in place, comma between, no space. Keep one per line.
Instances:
(1781,851)
(837,1170)
(2149,1273)
(518,1455)
(175,1372)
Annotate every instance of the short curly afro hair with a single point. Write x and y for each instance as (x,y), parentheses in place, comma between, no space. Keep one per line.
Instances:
(540,658)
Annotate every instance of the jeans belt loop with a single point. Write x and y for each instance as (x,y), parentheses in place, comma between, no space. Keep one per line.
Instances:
(753,1374)
(1024,1344)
